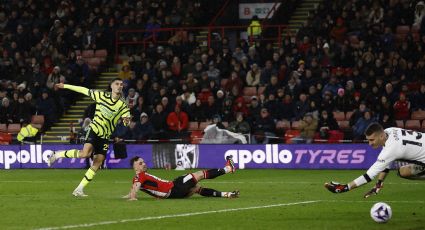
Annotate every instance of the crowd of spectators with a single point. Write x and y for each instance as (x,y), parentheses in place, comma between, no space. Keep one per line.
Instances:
(40,42)
(346,57)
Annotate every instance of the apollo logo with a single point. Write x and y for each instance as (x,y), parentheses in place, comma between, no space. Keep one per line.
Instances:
(315,157)
(35,155)
(272,155)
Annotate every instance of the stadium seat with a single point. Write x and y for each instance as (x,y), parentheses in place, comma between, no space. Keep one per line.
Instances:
(291,133)
(413,125)
(3,128)
(5,138)
(261,90)
(348,115)
(249,91)
(400,123)
(101,53)
(295,125)
(13,128)
(344,125)
(423,127)
(339,116)
(87,54)
(93,61)
(203,125)
(335,136)
(193,125)
(418,115)
(196,136)
(402,29)
(37,119)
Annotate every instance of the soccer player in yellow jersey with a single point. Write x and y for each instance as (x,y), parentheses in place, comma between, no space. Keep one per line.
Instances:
(110,107)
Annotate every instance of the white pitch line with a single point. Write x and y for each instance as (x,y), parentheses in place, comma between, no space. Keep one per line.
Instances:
(374,201)
(175,215)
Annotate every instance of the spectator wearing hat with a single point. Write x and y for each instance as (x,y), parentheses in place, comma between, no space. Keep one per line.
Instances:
(402,108)
(131,98)
(54,77)
(342,101)
(143,129)
(254,109)
(178,123)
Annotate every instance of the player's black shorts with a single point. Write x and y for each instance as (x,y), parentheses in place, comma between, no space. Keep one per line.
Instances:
(100,145)
(183,186)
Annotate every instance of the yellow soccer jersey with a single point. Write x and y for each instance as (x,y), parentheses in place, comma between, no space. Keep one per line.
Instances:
(108,110)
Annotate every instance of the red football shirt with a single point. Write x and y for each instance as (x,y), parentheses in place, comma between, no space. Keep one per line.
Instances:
(153,185)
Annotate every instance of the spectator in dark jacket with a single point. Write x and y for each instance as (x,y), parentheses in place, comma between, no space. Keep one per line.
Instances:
(46,106)
(263,128)
(326,122)
(143,129)
(159,123)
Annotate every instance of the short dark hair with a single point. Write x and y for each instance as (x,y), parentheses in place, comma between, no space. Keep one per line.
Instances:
(373,128)
(112,81)
(134,159)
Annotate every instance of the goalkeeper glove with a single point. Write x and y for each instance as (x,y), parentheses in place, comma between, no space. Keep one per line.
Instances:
(336,187)
(374,191)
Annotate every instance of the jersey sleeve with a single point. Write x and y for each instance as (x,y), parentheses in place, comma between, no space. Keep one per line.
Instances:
(385,158)
(78,89)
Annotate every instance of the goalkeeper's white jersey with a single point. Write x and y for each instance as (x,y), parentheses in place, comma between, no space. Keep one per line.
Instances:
(402,145)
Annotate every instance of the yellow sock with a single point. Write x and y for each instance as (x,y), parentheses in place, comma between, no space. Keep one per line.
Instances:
(72,153)
(87,178)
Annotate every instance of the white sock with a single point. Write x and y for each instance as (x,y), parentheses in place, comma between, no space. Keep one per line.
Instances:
(227,169)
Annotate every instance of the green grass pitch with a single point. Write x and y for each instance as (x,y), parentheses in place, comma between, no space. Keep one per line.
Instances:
(270,199)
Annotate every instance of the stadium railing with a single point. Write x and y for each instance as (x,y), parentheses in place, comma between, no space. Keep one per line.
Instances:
(125,37)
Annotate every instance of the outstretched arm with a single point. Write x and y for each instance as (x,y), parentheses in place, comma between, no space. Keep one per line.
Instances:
(78,89)
(133,191)
(379,168)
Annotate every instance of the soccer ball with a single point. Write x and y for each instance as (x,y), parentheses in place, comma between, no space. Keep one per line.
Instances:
(381,212)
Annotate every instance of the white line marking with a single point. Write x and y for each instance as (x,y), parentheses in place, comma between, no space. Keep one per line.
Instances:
(374,201)
(175,215)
